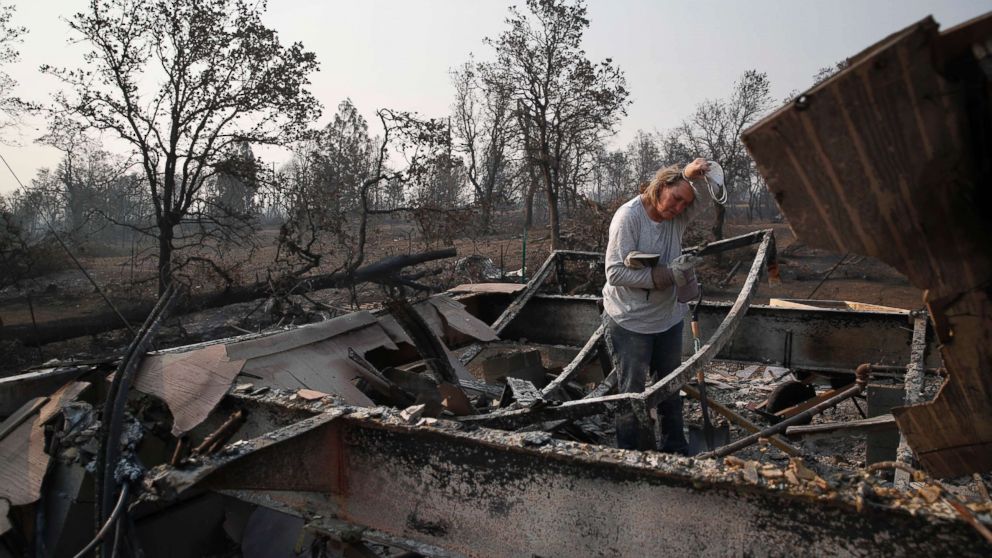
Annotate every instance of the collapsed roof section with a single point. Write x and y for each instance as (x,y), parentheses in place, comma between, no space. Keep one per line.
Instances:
(892,157)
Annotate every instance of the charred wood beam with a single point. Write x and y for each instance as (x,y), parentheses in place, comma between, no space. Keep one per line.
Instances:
(516,306)
(580,359)
(428,345)
(913,382)
(525,295)
(57,330)
(482,388)
(554,262)
(380,383)
(678,377)
(719,246)
(13,421)
(524,392)
(656,392)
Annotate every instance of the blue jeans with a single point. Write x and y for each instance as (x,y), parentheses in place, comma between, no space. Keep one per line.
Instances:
(635,355)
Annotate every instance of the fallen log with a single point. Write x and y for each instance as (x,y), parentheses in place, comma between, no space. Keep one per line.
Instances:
(59,330)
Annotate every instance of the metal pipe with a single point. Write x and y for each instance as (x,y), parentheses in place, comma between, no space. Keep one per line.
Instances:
(850,391)
(739,420)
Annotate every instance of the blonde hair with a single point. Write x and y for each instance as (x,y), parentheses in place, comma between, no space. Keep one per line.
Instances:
(666,177)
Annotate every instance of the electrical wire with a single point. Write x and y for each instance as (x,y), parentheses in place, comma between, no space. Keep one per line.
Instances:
(114,516)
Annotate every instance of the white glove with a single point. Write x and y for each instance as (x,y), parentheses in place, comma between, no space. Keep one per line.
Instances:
(682,268)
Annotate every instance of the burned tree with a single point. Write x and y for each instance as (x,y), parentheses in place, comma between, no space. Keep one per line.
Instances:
(561,97)
(483,125)
(182,83)
(714,131)
(11,106)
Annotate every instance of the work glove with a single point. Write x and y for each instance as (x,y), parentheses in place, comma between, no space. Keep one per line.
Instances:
(662,277)
(683,268)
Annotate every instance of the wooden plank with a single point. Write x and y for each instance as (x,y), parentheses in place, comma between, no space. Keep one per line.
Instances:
(23,463)
(524,297)
(841,304)
(190,383)
(298,337)
(515,307)
(881,423)
(524,392)
(504,288)
(57,400)
(952,435)
(430,315)
(15,390)
(809,403)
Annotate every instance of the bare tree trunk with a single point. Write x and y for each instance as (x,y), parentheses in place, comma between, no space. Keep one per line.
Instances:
(529,203)
(553,219)
(165,235)
(487,213)
(721,215)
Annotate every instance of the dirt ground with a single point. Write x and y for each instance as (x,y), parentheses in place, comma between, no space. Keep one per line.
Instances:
(805,273)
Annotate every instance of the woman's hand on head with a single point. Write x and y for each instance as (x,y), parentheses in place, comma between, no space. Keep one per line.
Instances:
(696,169)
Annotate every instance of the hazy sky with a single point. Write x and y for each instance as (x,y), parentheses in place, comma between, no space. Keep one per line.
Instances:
(397,53)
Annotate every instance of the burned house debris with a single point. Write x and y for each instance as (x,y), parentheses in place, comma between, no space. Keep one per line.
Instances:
(478,422)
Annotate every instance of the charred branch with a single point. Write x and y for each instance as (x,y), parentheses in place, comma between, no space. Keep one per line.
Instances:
(382,271)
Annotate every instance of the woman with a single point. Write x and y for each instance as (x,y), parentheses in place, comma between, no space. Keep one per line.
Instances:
(643,318)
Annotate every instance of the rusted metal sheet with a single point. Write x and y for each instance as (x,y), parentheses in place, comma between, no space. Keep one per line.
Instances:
(15,390)
(886,158)
(190,382)
(282,341)
(23,461)
(323,365)
(491,493)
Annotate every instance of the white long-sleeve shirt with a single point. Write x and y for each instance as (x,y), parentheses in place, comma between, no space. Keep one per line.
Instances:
(629,296)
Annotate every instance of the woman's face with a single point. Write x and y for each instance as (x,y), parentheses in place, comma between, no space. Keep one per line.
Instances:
(674,200)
